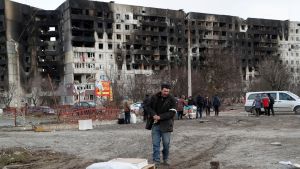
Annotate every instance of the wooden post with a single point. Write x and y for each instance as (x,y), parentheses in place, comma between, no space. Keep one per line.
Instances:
(214,165)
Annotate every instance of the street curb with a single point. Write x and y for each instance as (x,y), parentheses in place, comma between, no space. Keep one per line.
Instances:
(53,127)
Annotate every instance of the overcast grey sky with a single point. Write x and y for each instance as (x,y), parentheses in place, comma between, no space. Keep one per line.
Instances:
(269,9)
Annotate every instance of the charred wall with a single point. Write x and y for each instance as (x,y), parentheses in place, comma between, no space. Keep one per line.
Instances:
(37,51)
(47,45)
(139,39)
(213,35)
(251,40)
(263,42)
(3,51)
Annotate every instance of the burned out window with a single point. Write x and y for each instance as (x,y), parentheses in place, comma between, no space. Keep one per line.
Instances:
(109,25)
(109,36)
(119,36)
(118,26)
(100,45)
(171,49)
(126,27)
(118,16)
(127,17)
(100,35)
(110,46)
(76,11)
(134,26)
(127,37)
(99,14)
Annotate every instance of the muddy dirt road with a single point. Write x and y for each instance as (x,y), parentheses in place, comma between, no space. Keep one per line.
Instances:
(234,139)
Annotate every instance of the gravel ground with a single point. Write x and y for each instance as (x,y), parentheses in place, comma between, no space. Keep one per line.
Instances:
(235,140)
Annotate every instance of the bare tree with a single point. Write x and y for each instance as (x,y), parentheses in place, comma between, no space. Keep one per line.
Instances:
(35,95)
(220,73)
(178,76)
(272,76)
(9,95)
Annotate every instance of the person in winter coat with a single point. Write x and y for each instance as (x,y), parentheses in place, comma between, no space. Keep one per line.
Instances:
(162,109)
(200,104)
(180,105)
(271,105)
(207,105)
(126,107)
(257,104)
(266,101)
(216,104)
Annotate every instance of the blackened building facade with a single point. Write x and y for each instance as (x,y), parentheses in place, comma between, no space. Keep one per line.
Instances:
(82,41)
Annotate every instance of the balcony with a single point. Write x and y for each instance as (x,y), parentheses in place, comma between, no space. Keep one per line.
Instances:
(142,61)
(47,52)
(82,17)
(49,34)
(143,72)
(154,23)
(83,39)
(159,62)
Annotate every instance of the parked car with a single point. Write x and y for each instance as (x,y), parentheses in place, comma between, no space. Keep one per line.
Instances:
(284,101)
(40,109)
(137,108)
(85,104)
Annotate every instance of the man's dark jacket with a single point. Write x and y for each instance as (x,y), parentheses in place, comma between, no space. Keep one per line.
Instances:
(166,121)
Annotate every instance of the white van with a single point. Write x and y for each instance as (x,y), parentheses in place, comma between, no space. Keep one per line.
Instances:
(284,101)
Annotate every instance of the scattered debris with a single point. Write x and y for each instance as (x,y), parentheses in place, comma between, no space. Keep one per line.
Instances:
(202,121)
(276,144)
(289,163)
(40,129)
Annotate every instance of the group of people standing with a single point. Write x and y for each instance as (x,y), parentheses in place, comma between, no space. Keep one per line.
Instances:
(266,102)
(202,103)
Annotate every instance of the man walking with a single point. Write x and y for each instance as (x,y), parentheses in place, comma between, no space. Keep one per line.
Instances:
(180,105)
(200,104)
(216,104)
(162,109)
(257,104)
(207,105)
(271,104)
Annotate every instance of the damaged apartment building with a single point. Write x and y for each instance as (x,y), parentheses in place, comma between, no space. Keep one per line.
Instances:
(82,42)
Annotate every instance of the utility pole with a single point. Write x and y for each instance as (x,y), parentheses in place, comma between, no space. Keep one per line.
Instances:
(189,59)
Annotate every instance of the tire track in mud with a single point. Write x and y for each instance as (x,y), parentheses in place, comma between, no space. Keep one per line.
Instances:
(241,122)
(205,156)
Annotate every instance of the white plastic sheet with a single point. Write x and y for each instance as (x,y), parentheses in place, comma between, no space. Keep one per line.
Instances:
(132,118)
(289,163)
(112,165)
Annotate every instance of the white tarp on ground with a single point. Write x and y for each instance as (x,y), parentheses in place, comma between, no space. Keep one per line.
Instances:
(112,165)
(289,163)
